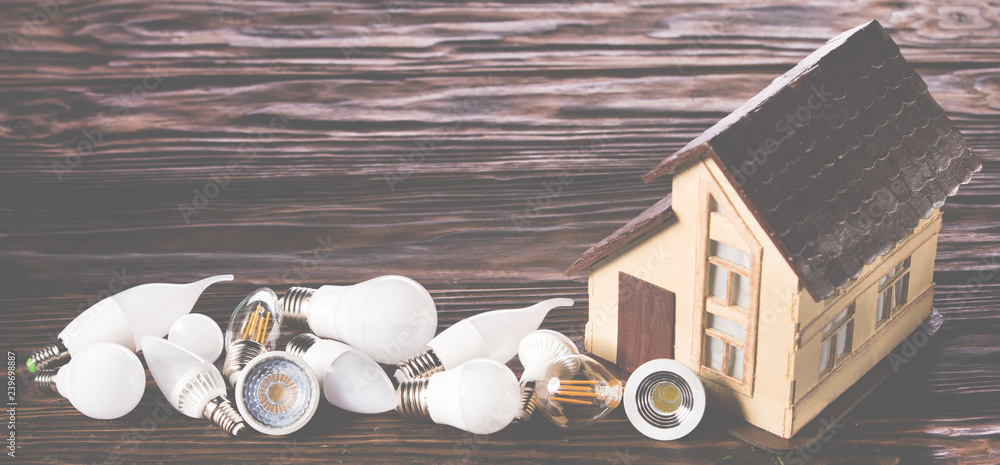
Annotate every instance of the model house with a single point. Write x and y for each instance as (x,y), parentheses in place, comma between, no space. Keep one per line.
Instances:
(797,245)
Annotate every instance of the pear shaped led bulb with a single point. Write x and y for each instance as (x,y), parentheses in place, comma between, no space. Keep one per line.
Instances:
(494,335)
(254,328)
(124,318)
(103,381)
(388,317)
(535,351)
(349,379)
(199,334)
(480,396)
(192,386)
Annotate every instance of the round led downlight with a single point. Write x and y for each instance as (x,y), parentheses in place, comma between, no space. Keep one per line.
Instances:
(664,399)
(277,393)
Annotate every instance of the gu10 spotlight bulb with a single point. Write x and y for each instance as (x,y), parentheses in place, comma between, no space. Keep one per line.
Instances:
(124,318)
(480,396)
(575,391)
(350,379)
(199,334)
(192,386)
(664,399)
(103,381)
(277,393)
(494,335)
(254,328)
(535,352)
(388,317)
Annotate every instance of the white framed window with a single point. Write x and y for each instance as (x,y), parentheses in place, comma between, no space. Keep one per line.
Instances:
(729,287)
(893,291)
(838,339)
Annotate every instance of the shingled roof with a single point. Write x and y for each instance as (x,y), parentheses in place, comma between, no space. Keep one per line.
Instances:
(838,159)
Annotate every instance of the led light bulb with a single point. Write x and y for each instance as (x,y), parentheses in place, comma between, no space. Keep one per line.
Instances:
(350,379)
(192,386)
(254,328)
(664,399)
(494,335)
(535,352)
(277,393)
(575,391)
(124,318)
(388,317)
(199,334)
(480,396)
(103,380)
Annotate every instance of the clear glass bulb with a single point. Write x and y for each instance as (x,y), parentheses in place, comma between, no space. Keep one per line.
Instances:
(388,317)
(192,385)
(124,318)
(494,335)
(535,351)
(350,379)
(575,391)
(103,381)
(277,393)
(480,396)
(254,328)
(199,334)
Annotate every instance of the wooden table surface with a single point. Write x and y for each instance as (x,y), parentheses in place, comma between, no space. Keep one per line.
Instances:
(478,148)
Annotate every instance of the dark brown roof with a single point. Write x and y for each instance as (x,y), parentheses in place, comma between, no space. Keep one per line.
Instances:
(839,158)
(659,213)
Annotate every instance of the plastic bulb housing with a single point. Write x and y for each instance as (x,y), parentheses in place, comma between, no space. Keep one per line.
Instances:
(535,351)
(125,318)
(199,334)
(254,328)
(388,318)
(349,378)
(480,396)
(103,381)
(277,393)
(664,399)
(191,385)
(494,335)
(576,391)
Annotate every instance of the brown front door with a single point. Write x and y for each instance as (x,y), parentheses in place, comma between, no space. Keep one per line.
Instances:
(645,322)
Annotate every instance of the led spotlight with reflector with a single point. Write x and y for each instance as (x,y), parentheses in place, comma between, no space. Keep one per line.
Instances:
(664,399)
(277,393)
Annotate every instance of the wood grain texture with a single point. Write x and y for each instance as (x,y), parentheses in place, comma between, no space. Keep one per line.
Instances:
(478,148)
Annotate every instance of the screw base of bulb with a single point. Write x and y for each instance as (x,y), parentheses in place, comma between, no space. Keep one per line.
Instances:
(50,357)
(238,355)
(301,343)
(46,381)
(411,399)
(222,413)
(420,365)
(528,404)
(294,307)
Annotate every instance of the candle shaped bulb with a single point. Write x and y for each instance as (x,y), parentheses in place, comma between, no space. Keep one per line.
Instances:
(388,317)
(103,381)
(494,335)
(480,396)
(575,391)
(192,386)
(349,379)
(254,328)
(535,351)
(124,318)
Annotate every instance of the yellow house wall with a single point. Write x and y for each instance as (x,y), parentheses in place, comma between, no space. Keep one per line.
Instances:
(871,343)
(667,259)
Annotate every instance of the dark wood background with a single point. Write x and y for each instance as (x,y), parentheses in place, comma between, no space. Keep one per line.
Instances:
(478,148)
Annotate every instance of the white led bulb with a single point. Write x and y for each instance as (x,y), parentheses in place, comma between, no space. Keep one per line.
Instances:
(103,380)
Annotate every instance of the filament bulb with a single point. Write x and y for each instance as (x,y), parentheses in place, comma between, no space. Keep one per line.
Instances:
(254,328)
(575,391)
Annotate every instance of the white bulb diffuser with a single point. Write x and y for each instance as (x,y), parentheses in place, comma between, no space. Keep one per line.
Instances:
(124,318)
(254,328)
(494,335)
(103,381)
(349,378)
(480,396)
(388,318)
(192,385)
(535,351)
(199,334)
